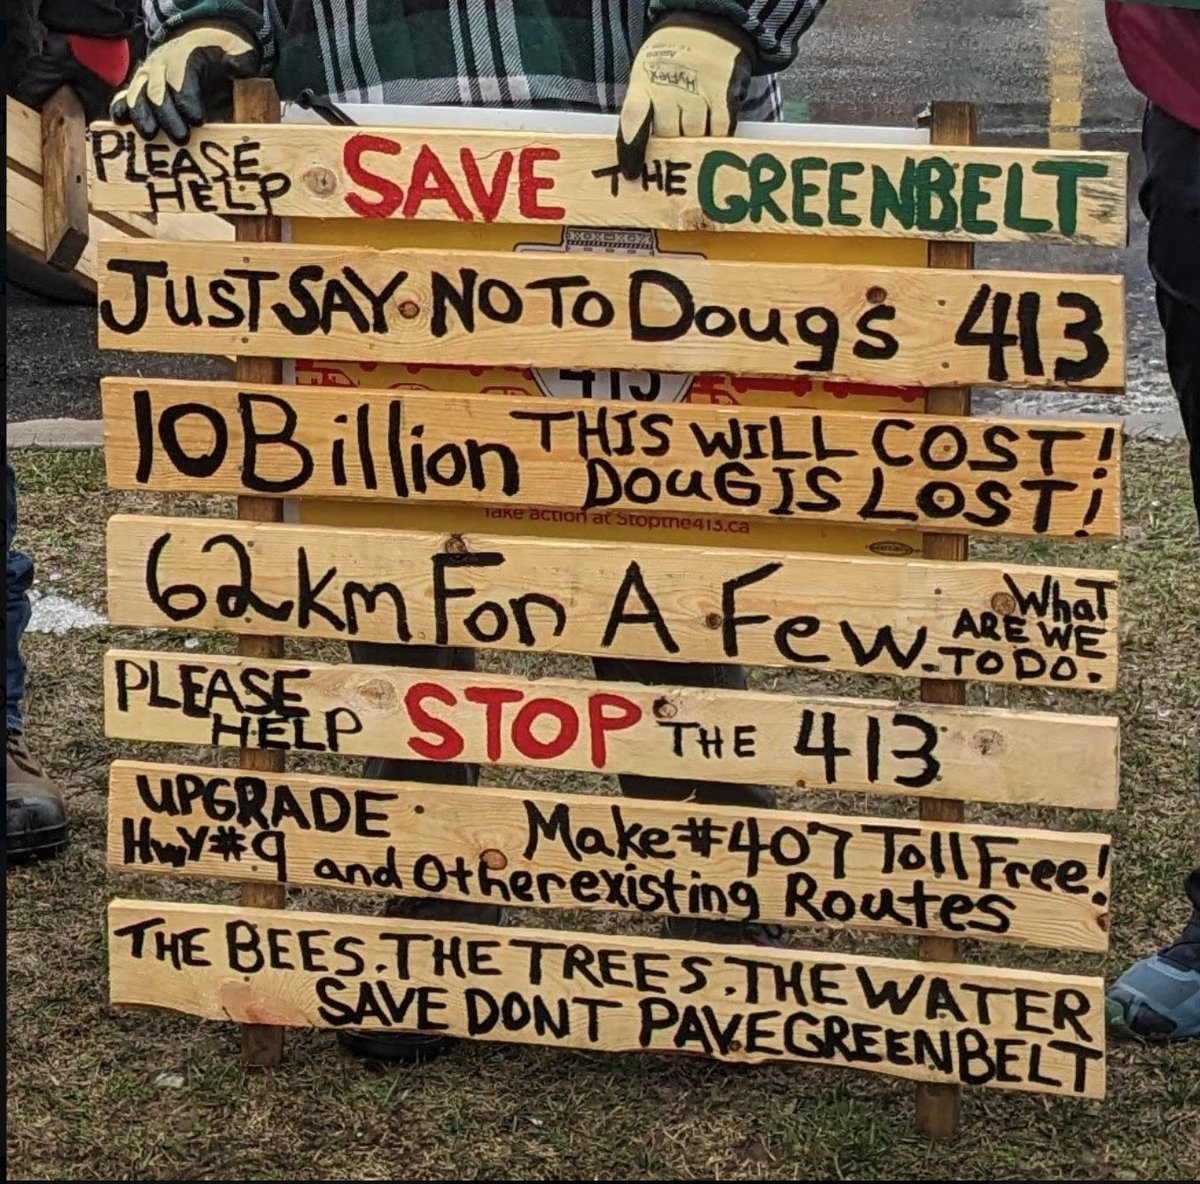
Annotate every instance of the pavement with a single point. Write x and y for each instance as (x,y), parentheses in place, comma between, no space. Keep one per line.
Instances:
(1039,71)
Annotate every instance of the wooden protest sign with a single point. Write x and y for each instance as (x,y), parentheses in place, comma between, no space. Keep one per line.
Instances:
(541,850)
(1042,1033)
(743,737)
(892,325)
(980,194)
(1009,477)
(544,298)
(1004,623)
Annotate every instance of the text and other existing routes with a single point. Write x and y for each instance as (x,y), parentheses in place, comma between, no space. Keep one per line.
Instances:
(571,851)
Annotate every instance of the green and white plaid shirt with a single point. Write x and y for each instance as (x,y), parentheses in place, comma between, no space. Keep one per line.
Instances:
(565,54)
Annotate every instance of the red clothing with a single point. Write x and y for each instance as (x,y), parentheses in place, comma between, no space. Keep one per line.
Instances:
(1159,47)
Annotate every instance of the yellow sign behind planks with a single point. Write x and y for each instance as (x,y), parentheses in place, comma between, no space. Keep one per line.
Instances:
(477,176)
(996,622)
(626,384)
(743,737)
(1009,477)
(851,324)
(925,1021)
(542,850)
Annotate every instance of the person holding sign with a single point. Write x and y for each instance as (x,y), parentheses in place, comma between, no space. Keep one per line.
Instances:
(671,67)
(83,44)
(1158,998)
(701,63)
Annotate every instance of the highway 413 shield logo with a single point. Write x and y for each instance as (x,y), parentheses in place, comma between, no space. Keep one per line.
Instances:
(639,386)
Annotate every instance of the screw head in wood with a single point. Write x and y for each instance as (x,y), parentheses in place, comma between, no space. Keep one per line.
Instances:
(321,181)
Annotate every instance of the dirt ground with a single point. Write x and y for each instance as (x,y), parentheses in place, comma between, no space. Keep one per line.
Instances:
(95,1093)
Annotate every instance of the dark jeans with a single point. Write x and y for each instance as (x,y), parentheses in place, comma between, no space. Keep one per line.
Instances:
(18,575)
(1170,199)
(633,785)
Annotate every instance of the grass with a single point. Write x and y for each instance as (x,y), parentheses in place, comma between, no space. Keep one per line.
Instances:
(82,1094)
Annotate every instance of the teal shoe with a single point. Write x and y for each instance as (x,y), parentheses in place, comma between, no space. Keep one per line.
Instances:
(1157,998)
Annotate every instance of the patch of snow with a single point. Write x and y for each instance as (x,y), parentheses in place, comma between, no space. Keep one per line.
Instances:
(57,614)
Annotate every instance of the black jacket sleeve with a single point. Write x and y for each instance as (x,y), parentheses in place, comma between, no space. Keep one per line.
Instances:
(774,26)
(91,18)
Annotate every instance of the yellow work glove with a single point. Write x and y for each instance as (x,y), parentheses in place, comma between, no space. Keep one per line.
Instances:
(185,79)
(689,79)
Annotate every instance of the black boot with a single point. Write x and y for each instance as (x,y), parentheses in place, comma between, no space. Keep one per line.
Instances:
(724,933)
(35,813)
(415,1048)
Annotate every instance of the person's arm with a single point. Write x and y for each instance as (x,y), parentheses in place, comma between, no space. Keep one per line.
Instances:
(86,48)
(89,18)
(773,27)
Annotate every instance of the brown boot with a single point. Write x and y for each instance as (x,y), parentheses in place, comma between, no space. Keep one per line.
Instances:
(36,825)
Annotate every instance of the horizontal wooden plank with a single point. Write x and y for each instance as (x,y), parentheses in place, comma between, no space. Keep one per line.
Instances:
(1018,1030)
(616,525)
(976,194)
(23,137)
(1007,477)
(999,622)
(544,850)
(743,737)
(896,326)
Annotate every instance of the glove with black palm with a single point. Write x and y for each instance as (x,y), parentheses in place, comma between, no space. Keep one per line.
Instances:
(185,80)
(689,78)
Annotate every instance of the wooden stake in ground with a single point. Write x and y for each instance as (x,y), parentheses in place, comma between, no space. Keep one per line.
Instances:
(939,1106)
(64,173)
(255,101)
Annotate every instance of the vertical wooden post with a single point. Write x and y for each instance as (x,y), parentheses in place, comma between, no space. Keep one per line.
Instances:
(256,101)
(939,1106)
(64,179)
